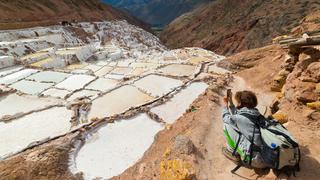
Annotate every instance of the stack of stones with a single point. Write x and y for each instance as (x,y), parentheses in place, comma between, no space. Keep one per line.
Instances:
(287,67)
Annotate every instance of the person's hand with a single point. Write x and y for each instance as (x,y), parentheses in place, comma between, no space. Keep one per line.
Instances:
(225,101)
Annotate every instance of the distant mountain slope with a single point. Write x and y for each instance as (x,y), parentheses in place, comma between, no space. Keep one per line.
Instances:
(228,26)
(156,12)
(30,13)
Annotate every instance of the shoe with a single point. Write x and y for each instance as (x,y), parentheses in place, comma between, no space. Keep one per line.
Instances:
(228,154)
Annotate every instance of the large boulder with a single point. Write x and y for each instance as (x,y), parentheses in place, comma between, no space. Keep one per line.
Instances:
(312,74)
(183,145)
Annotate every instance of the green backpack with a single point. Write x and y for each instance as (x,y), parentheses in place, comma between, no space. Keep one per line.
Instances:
(280,150)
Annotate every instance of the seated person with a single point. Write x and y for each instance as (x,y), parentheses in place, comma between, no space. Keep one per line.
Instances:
(241,132)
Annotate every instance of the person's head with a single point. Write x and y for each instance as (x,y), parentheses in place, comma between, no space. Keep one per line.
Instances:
(246,99)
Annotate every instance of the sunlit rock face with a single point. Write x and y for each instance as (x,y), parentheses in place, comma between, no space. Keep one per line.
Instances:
(62,80)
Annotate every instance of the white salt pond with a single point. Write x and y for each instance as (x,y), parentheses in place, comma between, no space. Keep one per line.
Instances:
(9,70)
(83,93)
(11,78)
(102,84)
(59,93)
(115,147)
(118,101)
(178,70)
(103,71)
(157,85)
(19,134)
(177,106)
(14,104)
(31,87)
(48,76)
(75,82)
(217,70)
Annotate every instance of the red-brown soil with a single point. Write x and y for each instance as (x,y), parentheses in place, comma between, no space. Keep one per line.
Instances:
(17,14)
(229,26)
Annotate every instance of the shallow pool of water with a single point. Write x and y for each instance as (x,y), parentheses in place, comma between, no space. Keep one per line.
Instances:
(178,70)
(14,104)
(157,85)
(113,148)
(177,106)
(49,76)
(18,134)
(11,78)
(118,101)
(31,87)
(75,82)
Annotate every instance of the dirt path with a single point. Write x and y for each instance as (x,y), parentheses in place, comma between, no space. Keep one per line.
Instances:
(216,165)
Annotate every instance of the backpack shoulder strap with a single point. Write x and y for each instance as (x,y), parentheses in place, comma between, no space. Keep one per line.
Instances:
(257,120)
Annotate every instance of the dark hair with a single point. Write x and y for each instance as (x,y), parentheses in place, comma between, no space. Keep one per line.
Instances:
(246,99)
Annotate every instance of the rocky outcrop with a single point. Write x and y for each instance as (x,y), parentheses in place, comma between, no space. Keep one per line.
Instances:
(229,26)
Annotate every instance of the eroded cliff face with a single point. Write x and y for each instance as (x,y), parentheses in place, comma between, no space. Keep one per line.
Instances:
(22,14)
(229,26)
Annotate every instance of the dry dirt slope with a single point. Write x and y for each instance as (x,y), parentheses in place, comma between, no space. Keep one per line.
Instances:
(229,26)
(21,14)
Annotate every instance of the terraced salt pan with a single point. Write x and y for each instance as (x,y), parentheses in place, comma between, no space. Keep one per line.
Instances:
(14,104)
(49,76)
(11,78)
(31,87)
(177,106)
(9,70)
(93,67)
(103,71)
(83,93)
(218,70)
(144,65)
(118,101)
(198,60)
(115,76)
(115,147)
(102,84)
(18,134)
(75,82)
(80,71)
(59,93)
(102,63)
(178,70)
(157,85)
(121,70)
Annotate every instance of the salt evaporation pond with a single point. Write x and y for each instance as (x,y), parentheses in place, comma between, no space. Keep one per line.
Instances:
(11,78)
(18,134)
(177,106)
(178,70)
(31,87)
(14,104)
(75,82)
(48,76)
(118,101)
(59,93)
(157,85)
(9,70)
(115,147)
(102,84)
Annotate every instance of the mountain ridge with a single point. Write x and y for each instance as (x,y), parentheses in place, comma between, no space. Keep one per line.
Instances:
(17,14)
(149,11)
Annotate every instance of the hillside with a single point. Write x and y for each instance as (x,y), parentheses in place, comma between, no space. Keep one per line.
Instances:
(221,27)
(21,14)
(156,12)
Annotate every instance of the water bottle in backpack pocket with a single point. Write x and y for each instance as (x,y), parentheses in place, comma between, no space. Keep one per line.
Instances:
(279,149)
